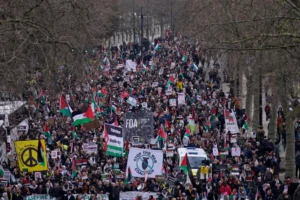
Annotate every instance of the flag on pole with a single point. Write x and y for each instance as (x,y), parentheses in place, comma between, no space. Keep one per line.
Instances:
(106,138)
(162,136)
(128,177)
(245,125)
(86,117)
(40,154)
(184,164)
(74,171)
(64,108)
(187,132)
(74,134)
(157,47)
(184,59)
(47,133)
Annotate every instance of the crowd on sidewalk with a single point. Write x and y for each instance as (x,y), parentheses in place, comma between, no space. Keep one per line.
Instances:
(169,68)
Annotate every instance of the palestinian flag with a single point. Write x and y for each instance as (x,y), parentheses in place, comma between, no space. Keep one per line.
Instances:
(245,126)
(184,164)
(74,171)
(162,136)
(207,125)
(157,47)
(64,108)
(171,80)
(128,177)
(40,155)
(47,133)
(1,171)
(74,133)
(86,117)
(106,138)
(126,148)
(116,123)
(184,59)
(187,132)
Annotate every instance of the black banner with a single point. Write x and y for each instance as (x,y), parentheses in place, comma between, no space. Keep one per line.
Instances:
(114,130)
(139,124)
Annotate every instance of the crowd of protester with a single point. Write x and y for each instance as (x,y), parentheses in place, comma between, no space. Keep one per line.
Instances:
(172,65)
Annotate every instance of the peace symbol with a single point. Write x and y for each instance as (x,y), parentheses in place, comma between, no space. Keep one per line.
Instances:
(29,161)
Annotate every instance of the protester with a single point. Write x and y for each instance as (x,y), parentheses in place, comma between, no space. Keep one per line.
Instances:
(169,69)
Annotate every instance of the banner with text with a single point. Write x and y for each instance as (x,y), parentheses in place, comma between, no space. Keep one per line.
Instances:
(134,195)
(115,140)
(145,161)
(230,122)
(138,124)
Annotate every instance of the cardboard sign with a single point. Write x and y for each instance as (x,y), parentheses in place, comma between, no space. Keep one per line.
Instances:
(54,154)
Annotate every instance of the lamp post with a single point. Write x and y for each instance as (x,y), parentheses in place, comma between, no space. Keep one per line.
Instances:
(142,31)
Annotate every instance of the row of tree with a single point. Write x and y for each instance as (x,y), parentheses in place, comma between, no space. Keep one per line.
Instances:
(260,40)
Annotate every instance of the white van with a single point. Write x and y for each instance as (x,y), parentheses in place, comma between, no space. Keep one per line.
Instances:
(195,156)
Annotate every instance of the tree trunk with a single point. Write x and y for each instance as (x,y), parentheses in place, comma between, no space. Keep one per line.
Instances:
(249,100)
(272,128)
(235,80)
(255,119)
(290,167)
(240,88)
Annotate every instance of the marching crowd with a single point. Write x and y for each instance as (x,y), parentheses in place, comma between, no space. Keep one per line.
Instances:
(176,66)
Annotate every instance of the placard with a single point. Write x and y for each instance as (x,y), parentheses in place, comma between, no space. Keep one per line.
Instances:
(37,175)
(54,154)
(173,102)
(215,151)
(181,99)
(235,151)
(154,84)
(169,92)
(144,105)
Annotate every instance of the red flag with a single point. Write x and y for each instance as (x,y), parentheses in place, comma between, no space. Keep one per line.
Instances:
(116,121)
(127,145)
(62,103)
(162,133)
(90,112)
(167,124)
(46,128)
(226,113)
(103,91)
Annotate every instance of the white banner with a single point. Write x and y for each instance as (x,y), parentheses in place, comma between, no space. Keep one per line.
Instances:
(143,161)
(134,195)
(130,65)
(230,122)
(181,98)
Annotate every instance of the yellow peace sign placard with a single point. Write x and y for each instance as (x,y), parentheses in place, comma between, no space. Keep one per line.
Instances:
(27,155)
